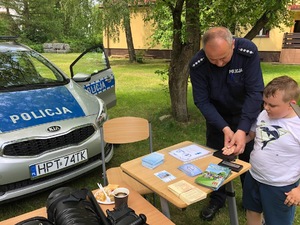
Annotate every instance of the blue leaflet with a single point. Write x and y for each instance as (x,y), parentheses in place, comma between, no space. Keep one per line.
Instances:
(153,160)
(190,169)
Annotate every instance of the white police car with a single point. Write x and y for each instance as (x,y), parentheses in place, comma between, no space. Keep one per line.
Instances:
(49,125)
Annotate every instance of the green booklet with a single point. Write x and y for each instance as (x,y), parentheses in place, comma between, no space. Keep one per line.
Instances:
(213,177)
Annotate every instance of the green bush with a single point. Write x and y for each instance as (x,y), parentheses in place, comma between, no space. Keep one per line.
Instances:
(37,47)
(78,46)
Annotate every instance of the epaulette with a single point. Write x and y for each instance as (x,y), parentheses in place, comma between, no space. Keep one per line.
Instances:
(245,51)
(198,62)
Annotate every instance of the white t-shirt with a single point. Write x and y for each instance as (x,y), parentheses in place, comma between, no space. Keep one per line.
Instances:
(275,159)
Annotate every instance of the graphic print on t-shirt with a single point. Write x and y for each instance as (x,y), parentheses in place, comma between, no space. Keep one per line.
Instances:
(270,133)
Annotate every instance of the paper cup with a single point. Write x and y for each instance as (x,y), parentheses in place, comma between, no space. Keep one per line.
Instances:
(121,197)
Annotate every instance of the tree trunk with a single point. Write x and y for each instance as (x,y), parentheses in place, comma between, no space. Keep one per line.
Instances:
(260,23)
(182,52)
(129,40)
(178,86)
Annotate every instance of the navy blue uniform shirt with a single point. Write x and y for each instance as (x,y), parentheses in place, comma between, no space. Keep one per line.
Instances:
(232,91)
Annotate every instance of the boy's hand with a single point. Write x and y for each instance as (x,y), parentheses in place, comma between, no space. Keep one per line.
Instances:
(228,150)
(293,197)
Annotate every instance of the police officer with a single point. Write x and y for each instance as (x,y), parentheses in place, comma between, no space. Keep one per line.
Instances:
(227,88)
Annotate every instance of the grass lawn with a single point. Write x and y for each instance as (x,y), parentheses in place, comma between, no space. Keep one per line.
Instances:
(141,92)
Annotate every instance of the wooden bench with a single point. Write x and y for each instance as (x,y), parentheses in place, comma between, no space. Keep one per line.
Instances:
(135,201)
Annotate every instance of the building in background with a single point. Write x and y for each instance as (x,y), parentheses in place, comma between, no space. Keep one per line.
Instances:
(275,45)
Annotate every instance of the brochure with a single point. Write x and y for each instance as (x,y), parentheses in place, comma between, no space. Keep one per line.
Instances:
(187,192)
(165,176)
(190,153)
(213,177)
(190,169)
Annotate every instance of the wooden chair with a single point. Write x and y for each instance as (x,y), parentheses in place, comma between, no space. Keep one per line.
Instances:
(123,130)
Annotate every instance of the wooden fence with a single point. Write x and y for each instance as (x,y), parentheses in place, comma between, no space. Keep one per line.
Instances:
(291,40)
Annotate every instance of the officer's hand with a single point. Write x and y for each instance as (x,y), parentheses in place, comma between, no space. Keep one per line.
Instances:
(228,135)
(239,140)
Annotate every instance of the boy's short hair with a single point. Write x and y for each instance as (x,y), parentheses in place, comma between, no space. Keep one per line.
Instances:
(283,83)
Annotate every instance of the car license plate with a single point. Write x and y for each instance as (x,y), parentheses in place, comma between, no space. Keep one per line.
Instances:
(45,168)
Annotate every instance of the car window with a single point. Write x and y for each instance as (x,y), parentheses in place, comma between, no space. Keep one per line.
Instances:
(26,69)
(91,62)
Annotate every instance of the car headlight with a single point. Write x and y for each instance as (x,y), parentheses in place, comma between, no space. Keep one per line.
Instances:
(102,115)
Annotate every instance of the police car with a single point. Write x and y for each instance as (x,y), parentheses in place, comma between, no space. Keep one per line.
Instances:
(49,123)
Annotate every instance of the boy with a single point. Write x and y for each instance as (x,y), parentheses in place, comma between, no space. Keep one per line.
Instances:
(271,185)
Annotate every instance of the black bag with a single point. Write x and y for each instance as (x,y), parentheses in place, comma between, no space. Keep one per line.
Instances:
(66,206)
(125,216)
(38,220)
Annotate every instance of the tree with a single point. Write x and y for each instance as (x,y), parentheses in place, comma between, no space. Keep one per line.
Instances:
(33,20)
(182,52)
(75,21)
(121,11)
(8,27)
(178,23)
(190,17)
(129,39)
(81,19)
(276,11)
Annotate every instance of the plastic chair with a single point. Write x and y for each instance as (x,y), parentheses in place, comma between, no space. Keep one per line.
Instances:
(123,130)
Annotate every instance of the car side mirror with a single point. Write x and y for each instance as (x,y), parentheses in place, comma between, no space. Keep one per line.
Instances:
(82,77)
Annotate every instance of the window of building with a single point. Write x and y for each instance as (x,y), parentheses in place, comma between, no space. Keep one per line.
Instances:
(297,26)
(263,32)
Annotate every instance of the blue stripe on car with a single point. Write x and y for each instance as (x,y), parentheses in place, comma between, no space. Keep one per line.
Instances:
(99,86)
